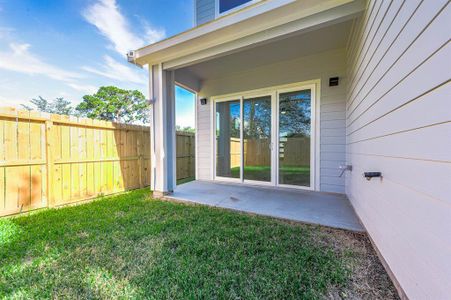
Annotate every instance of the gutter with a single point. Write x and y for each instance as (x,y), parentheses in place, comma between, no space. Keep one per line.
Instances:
(131,58)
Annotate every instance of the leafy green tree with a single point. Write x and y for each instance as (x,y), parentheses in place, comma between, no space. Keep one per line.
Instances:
(111,103)
(62,107)
(58,106)
(185,129)
(295,111)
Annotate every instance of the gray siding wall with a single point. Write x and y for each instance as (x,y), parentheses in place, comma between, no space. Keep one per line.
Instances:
(204,164)
(332,108)
(399,123)
(205,11)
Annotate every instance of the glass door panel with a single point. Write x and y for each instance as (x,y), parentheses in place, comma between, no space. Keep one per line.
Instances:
(257,138)
(294,137)
(228,144)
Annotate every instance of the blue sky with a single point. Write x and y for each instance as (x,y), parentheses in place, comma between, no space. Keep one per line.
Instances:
(67,49)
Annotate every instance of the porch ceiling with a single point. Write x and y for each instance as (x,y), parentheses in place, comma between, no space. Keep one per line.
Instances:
(259,23)
(320,40)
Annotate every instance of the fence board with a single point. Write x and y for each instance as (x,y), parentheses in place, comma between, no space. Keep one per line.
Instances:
(185,155)
(50,160)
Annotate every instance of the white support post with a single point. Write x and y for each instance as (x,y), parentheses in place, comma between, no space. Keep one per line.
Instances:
(161,91)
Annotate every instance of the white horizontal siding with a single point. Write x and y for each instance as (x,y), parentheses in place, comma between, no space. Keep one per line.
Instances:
(203,141)
(398,122)
(332,107)
(205,11)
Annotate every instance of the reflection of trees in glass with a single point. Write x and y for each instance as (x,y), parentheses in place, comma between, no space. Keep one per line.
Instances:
(228,114)
(294,116)
(234,120)
(228,128)
(257,117)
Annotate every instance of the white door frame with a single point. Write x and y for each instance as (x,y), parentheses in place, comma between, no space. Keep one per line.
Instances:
(313,133)
(258,94)
(273,91)
(213,137)
(196,101)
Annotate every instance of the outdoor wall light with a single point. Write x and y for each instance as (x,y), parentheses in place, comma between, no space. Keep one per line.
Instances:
(369,175)
(333,81)
(203,101)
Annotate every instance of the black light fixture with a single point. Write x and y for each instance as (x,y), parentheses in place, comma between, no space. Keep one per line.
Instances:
(333,81)
(203,101)
(369,175)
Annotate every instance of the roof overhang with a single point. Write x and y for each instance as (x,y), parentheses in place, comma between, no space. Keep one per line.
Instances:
(260,23)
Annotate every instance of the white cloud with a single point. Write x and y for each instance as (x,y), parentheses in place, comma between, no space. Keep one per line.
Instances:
(88,89)
(115,70)
(20,59)
(185,120)
(10,102)
(5,32)
(107,17)
(152,35)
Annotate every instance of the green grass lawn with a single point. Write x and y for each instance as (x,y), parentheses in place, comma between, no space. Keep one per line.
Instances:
(131,246)
(288,175)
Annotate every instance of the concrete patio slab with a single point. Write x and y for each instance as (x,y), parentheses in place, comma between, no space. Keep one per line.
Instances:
(327,209)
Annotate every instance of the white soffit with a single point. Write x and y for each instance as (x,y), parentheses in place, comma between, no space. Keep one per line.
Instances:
(312,42)
(258,23)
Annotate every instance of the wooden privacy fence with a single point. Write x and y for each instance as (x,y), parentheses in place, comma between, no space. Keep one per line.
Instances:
(49,160)
(185,155)
(293,151)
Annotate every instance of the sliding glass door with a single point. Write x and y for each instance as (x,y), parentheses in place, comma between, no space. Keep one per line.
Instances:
(266,138)
(295,127)
(257,138)
(228,139)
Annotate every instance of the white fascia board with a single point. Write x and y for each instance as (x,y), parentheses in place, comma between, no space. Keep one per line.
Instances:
(212,26)
(257,18)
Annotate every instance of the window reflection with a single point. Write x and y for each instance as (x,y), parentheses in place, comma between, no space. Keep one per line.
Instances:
(228,158)
(257,138)
(294,137)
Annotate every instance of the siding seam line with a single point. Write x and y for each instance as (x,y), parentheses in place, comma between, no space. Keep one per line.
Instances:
(401,157)
(353,81)
(383,56)
(400,106)
(400,132)
(389,90)
(368,34)
(399,57)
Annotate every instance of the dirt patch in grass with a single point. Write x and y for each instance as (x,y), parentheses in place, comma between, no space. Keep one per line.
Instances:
(129,246)
(368,278)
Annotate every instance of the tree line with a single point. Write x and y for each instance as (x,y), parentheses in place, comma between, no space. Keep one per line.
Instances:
(109,103)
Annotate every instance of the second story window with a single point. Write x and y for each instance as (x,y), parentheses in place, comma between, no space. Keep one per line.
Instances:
(225,6)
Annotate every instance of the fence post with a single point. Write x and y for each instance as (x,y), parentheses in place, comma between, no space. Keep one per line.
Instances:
(49,137)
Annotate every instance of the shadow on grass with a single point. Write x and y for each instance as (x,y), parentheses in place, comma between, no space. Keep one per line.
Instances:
(128,246)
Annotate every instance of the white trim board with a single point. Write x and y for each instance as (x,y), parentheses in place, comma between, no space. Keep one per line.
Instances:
(196,101)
